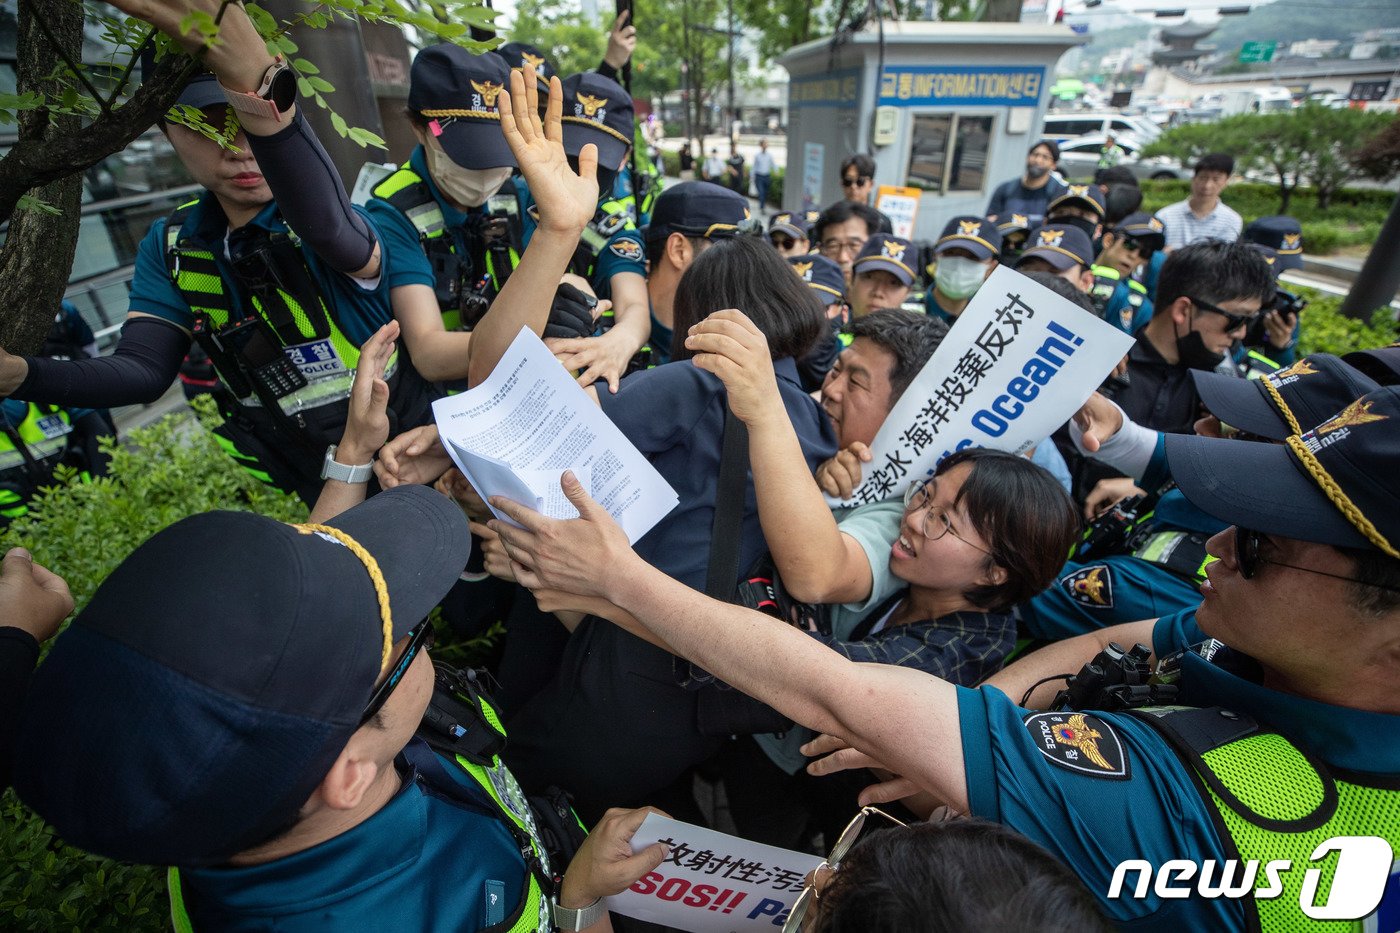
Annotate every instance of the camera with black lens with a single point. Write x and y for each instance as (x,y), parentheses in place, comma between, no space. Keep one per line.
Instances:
(1286,303)
(1115,680)
(1109,533)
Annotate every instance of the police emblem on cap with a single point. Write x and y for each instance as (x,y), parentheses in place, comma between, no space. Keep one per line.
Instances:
(1270,259)
(590,104)
(782,219)
(1078,191)
(1091,586)
(1357,413)
(1021,220)
(534,61)
(626,249)
(812,216)
(1300,368)
(803,269)
(489,91)
(1291,240)
(892,249)
(1156,224)
(1079,742)
(969,227)
(1050,238)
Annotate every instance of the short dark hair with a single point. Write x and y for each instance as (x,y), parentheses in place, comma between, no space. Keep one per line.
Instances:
(909,336)
(1215,271)
(954,876)
(863,164)
(1115,175)
(1062,288)
(745,272)
(1216,162)
(842,211)
(1377,590)
(1051,147)
(1024,515)
(1119,202)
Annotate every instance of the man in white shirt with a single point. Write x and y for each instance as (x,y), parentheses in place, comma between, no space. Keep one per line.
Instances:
(713,169)
(1202,216)
(762,174)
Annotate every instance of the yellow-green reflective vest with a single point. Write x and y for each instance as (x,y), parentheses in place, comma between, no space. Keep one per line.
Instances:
(44,433)
(1275,801)
(327,357)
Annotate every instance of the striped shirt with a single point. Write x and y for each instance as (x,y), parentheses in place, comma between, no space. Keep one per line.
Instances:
(1184,227)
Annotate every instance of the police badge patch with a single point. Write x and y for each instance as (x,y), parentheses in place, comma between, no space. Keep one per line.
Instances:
(1092,586)
(626,249)
(1079,742)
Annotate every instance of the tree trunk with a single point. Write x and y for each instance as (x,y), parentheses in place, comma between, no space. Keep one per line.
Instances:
(1285,194)
(1002,11)
(38,251)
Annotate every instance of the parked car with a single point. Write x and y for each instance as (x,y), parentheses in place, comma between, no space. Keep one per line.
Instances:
(1080,157)
(1063,126)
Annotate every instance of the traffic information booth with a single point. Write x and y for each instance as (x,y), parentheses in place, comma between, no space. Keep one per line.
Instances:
(949,111)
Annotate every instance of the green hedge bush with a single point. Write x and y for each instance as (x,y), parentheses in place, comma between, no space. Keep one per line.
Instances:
(1326,330)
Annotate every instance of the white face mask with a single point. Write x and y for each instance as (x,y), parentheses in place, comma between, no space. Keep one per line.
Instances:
(959,277)
(465,187)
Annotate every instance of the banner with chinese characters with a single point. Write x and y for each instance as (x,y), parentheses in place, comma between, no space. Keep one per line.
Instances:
(711,882)
(901,206)
(951,86)
(1018,363)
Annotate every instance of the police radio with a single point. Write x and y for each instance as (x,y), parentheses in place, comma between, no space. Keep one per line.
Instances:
(249,359)
(1115,680)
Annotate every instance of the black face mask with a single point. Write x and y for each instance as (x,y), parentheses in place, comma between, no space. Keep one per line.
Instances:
(1088,226)
(1192,352)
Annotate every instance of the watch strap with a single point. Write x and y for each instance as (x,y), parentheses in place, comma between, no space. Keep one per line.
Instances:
(567,918)
(258,102)
(332,469)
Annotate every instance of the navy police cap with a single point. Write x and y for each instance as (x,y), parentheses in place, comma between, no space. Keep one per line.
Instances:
(822,275)
(978,235)
(1282,234)
(1288,401)
(597,110)
(460,95)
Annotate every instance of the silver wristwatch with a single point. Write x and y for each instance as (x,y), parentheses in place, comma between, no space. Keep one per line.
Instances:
(359,473)
(566,918)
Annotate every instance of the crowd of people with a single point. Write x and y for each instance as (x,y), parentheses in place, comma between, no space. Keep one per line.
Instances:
(1169,632)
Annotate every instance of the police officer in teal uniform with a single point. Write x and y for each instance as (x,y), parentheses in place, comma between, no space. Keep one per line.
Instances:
(280,293)
(1119,299)
(268,722)
(34,440)
(1256,728)
(1146,556)
(610,254)
(1274,338)
(966,254)
(824,277)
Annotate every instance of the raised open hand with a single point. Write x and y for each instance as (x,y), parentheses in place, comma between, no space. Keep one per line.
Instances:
(567,199)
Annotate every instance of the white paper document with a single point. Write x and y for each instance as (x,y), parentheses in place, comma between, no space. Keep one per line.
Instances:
(1019,362)
(711,882)
(516,433)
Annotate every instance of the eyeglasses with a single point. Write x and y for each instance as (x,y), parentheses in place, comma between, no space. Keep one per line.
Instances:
(1249,543)
(855,181)
(1233,321)
(848,838)
(833,248)
(418,639)
(919,498)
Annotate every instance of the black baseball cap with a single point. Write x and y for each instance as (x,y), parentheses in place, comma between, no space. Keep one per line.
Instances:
(1144,228)
(1289,401)
(460,94)
(699,208)
(794,225)
(978,235)
(1333,485)
(1061,245)
(597,110)
(1280,233)
(822,275)
(1381,364)
(889,252)
(198,700)
(1080,196)
(519,54)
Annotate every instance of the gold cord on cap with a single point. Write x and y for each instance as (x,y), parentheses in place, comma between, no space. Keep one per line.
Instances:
(381,589)
(1339,498)
(1281,405)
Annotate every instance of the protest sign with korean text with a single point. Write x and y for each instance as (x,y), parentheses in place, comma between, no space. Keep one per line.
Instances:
(1019,362)
(711,882)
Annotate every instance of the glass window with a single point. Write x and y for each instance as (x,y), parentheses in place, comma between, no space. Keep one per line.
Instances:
(949,153)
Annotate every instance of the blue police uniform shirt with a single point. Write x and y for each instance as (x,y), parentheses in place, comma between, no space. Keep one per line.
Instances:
(421,863)
(932,309)
(405,262)
(1150,271)
(1127,309)
(358,311)
(681,436)
(660,341)
(623,251)
(1117,588)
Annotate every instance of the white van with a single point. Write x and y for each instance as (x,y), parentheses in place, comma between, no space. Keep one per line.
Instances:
(1062,126)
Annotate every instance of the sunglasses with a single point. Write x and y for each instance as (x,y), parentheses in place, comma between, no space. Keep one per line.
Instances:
(1233,321)
(1134,245)
(1249,543)
(855,181)
(784,242)
(848,838)
(418,639)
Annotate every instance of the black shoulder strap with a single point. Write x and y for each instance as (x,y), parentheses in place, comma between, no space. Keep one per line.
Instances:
(723,572)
